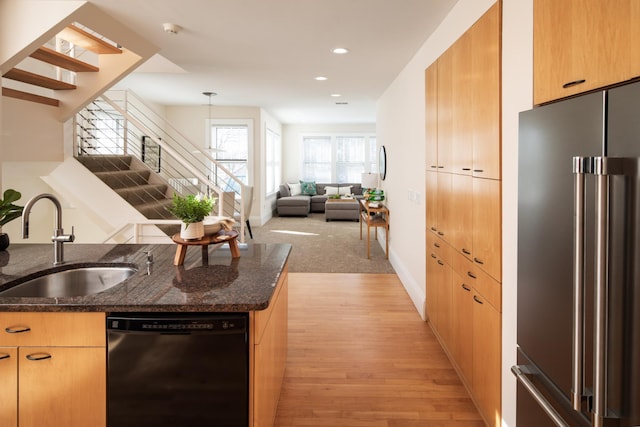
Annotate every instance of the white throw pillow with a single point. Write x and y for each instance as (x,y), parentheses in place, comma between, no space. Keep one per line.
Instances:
(330,191)
(344,191)
(295,189)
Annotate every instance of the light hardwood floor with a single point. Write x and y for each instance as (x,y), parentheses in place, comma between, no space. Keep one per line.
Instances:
(360,356)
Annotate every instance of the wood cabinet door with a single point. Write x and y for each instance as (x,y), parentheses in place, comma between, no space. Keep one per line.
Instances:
(431,201)
(9,388)
(444,205)
(486,94)
(431,108)
(270,357)
(487,359)
(462,107)
(462,348)
(461,214)
(445,111)
(439,296)
(66,389)
(580,45)
(487,226)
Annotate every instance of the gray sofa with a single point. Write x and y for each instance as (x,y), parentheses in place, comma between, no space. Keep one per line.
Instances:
(302,205)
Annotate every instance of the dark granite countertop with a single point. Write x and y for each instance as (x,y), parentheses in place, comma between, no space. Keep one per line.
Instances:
(223,284)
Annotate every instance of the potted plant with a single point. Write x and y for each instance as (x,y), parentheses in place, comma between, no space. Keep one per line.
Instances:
(8,212)
(191,210)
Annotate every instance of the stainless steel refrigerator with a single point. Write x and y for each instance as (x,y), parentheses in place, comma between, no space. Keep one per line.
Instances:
(579,262)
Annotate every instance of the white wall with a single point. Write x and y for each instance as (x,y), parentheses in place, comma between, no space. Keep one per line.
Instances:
(191,122)
(400,125)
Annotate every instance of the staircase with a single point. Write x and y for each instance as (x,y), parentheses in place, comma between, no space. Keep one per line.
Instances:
(136,184)
(67,57)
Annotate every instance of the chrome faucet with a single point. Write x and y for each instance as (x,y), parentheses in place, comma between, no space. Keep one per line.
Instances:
(58,237)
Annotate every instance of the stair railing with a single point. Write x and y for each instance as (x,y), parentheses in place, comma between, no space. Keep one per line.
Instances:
(126,125)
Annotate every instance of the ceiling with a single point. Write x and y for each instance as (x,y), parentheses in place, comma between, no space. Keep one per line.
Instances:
(266,53)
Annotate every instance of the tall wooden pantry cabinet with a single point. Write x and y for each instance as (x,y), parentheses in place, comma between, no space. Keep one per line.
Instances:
(463,208)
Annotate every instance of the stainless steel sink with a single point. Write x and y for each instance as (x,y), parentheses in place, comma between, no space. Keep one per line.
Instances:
(71,282)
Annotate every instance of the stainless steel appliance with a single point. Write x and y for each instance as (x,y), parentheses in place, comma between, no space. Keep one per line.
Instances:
(177,370)
(579,262)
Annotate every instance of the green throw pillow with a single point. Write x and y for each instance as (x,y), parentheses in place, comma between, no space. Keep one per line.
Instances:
(308,188)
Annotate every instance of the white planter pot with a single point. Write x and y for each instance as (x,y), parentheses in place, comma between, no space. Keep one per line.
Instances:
(192,231)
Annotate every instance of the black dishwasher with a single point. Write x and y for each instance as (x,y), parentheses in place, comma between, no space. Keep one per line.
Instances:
(177,370)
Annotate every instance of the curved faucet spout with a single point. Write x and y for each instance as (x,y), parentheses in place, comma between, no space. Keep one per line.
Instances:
(58,237)
(27,211)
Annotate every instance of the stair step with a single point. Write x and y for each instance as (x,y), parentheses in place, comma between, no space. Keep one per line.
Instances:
(105,162)
(142,194)
(125,178)
(156,210)
(25,96)
(37,80)
(88,41)
(58,59)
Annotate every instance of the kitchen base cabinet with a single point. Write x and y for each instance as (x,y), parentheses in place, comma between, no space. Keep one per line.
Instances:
(270,328)
(486,359)
(9,388)
(62,386)
(58,360)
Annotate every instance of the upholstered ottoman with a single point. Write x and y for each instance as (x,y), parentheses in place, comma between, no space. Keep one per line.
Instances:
(293,206)
(348,209)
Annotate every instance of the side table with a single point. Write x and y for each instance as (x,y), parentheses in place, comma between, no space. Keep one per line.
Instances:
(374,217)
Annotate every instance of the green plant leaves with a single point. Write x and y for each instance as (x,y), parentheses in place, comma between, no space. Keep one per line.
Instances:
(8,210)
(191,208)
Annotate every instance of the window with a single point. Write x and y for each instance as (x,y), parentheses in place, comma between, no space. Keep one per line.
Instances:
(338,158)
(273,166)
(316,158)
(230,142)
(101,132)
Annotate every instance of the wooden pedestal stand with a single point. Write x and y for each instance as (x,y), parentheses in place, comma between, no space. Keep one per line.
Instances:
(220,237)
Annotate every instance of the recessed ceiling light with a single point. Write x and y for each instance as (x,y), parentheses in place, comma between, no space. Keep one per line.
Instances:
(336,95)
(321,78)
(340,50)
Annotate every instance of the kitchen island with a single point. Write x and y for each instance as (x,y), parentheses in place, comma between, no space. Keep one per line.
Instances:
(69,332)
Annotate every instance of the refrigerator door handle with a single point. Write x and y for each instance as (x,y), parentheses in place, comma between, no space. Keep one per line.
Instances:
(600,309)
(603,168)
(521,376)
(580,167)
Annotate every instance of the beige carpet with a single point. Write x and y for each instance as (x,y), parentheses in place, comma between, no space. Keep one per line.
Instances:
(324,247)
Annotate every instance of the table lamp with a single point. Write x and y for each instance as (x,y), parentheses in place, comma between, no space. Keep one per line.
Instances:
(369,181)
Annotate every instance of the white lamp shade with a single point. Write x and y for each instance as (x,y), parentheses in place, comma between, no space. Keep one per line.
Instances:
(369,180)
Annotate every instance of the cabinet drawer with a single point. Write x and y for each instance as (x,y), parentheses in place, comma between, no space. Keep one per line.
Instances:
(488,287)
(52,329)
(437,246)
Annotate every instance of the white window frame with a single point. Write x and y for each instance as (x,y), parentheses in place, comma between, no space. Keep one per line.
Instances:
(273,160)
(370,165)
(209,123)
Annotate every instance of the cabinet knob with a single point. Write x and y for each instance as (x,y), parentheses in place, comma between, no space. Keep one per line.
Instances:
(465,287)
(478,260)
(16,329)
(470,274)
(573,83)
(440,262)
(475,298)
(466,251)
(4,356)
